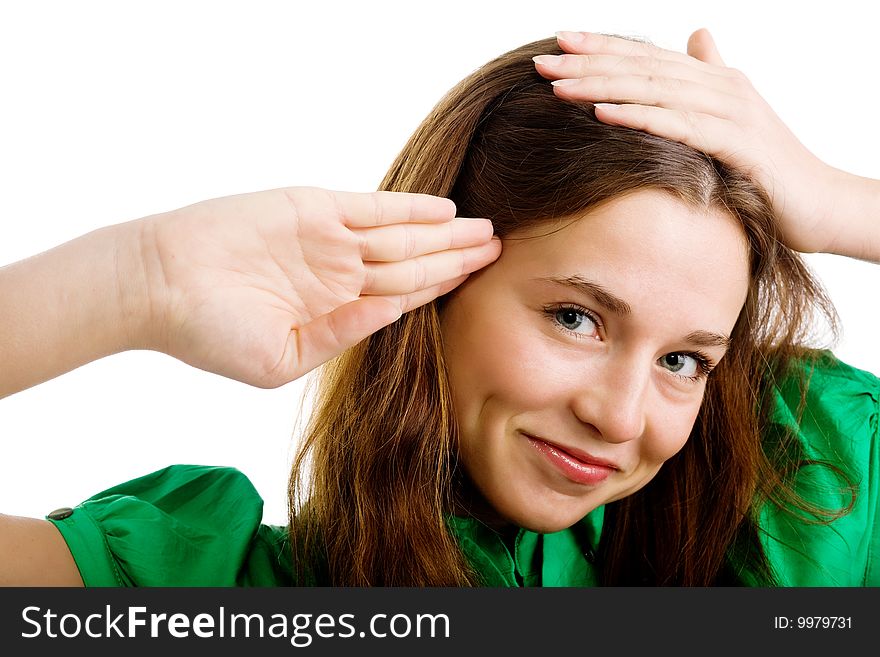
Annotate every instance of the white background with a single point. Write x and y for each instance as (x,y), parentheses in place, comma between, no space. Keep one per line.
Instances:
(116,110)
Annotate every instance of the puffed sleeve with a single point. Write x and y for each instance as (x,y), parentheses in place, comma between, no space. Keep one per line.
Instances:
(185,525)
(837,424)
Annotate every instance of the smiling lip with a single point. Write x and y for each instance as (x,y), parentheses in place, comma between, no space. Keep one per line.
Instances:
(575,465)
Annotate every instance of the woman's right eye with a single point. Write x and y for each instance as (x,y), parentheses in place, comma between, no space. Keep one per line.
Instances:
(575,320)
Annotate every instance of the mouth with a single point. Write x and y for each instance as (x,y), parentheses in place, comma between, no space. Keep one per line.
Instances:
(575,465)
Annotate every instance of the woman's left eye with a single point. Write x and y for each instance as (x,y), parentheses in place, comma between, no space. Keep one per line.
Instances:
(681,364)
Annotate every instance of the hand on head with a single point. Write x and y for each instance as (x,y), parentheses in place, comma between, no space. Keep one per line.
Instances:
(264,287)
(695,99)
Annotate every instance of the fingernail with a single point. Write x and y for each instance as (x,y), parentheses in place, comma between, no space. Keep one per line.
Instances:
(608,107)
(547,60)
(567,82)
(571,37)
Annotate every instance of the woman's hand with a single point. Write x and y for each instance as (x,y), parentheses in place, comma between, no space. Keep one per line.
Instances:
(264,287)
(695,99)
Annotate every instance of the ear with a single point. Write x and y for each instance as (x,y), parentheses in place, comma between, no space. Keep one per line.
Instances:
(701,46)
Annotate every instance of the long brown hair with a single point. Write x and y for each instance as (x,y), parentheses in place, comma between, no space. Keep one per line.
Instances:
(375,479)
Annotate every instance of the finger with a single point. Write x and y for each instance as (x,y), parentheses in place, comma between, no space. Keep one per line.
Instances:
(703,132)
(403,241)
(362,210)
(413,300)
(556,67)
(407,276)
(588,43)
(359,210)
(670,93)
(329,335)
(701,45)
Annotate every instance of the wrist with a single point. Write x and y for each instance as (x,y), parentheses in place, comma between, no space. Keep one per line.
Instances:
(105,293)
(855,215)
(139,285)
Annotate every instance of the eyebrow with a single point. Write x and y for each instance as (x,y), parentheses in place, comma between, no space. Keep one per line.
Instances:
(612,302)
(620,307)
(707,339)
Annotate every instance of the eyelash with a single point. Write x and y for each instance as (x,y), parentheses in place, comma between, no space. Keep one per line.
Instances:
(705,365)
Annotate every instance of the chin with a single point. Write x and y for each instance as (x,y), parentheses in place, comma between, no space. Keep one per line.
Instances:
(546,522)
(547,527)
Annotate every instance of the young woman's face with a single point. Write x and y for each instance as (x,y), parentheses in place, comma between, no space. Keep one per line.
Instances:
(578,359)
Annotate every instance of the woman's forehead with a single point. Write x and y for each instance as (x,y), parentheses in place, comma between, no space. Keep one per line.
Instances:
(638,247)
(643,226)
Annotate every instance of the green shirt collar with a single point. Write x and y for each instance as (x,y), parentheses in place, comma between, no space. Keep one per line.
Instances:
(563,558)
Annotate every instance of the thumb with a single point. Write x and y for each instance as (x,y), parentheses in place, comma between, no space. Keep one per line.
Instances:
(329,335)
(701,46)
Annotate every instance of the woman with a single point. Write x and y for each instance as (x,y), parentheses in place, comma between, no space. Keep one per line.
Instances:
(506,149)
(392,503)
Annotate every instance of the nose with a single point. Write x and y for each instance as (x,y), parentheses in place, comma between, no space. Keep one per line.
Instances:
(613,399)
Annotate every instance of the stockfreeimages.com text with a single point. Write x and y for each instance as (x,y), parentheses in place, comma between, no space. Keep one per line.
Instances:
(300,629)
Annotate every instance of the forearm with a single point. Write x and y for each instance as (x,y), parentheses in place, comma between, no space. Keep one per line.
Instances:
(857,213)
(71,305)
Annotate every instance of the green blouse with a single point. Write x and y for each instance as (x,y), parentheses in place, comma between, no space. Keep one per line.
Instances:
(192,525)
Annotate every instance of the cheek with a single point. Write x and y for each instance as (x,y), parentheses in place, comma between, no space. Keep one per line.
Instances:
(670,431)
(669,434)
(480,353)
(508,369)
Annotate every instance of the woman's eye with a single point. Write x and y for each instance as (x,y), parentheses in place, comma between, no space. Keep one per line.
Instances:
(576,321)
(681,364)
